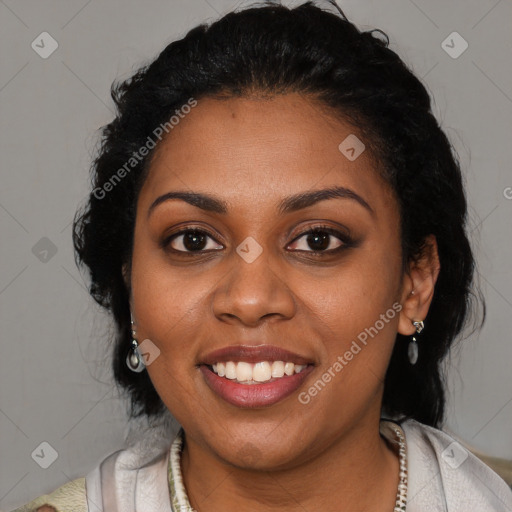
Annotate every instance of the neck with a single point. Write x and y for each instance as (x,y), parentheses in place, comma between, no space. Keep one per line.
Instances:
(359,471)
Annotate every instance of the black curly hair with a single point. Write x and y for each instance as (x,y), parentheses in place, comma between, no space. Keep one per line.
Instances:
(270,50)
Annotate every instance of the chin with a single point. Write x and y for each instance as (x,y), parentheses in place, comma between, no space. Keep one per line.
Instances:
(261,456)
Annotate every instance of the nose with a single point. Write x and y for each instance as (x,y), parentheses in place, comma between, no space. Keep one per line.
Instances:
(251,292)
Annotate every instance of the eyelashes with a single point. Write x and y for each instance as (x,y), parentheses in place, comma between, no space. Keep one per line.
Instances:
(194,241)
(322,234)
(190,236)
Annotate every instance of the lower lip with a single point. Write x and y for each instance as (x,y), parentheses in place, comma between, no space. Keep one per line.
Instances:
(254,395)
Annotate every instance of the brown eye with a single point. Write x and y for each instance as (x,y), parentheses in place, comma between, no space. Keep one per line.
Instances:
(321,240)
(191,240)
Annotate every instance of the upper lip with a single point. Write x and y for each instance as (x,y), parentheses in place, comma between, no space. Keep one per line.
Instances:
(253,354)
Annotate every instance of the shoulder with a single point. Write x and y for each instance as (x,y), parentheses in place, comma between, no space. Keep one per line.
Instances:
(67,498)
(135,477)
(445,476)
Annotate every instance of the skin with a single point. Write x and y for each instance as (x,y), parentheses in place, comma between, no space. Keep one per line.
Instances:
(252,153)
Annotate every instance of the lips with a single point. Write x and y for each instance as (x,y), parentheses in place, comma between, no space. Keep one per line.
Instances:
(254,394)
(253,354)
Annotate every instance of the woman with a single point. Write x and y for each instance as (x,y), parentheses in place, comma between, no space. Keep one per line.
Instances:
(277,224)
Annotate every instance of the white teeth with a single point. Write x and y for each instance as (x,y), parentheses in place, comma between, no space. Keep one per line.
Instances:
(243,371)
(261,371)
(289,368)
(230,370)
(278,369)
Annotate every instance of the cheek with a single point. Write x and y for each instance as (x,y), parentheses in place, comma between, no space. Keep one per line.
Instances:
(355,312)
(357,291)
(167,303)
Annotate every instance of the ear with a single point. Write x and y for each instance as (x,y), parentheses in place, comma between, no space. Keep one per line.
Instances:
(418,287)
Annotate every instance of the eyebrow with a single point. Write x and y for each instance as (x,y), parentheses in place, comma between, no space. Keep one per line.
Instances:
(289,204)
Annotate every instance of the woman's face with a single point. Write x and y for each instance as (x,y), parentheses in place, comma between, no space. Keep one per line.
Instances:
(255,278)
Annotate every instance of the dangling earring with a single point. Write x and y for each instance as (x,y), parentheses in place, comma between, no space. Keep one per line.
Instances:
(133,359)
(412,349)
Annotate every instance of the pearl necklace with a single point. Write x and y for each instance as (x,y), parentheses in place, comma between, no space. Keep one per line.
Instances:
(179,495)
(401,495)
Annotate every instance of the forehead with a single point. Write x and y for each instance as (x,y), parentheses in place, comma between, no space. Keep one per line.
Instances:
(260,148)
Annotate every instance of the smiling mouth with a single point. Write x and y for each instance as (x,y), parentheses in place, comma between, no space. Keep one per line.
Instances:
(256,373)
(254,376)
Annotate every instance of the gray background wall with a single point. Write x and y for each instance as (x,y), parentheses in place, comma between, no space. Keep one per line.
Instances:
(55,384)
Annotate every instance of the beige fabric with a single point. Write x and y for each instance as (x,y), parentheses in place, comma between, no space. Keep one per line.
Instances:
(501,466)
(71,497)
